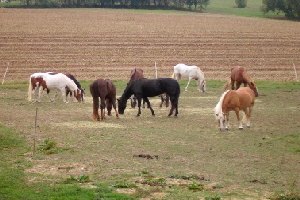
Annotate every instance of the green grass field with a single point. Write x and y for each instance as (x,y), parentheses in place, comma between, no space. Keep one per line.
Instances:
(195,160)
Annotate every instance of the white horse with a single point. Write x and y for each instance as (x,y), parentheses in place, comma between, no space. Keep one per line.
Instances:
(40,81)
(190,72)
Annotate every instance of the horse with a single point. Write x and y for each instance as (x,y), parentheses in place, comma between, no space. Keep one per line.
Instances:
(135,74)
(79,87)
(190,72)
(235,100)
(106,91)
(238,76)
(40,81)
(143,88)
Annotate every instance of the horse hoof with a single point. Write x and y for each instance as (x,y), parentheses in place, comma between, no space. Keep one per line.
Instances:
(241,128)
(248,126)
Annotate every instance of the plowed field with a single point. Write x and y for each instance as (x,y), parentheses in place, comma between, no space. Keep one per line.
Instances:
(94,43)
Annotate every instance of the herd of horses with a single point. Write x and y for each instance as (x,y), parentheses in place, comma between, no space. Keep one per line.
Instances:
(139,88)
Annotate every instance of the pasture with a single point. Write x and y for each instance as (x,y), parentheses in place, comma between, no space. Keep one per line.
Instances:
(187,151)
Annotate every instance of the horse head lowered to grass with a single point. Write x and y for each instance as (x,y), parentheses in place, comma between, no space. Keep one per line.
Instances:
(190,72)
(143,88)
(240,76)
(235,100)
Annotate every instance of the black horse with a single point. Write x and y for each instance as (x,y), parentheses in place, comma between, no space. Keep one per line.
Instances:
(143,88)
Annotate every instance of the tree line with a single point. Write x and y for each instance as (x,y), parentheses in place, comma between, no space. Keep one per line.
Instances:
(290,8)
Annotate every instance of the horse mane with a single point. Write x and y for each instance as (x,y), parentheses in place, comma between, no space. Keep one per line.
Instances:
(74,79)
(70,83)
(218,108)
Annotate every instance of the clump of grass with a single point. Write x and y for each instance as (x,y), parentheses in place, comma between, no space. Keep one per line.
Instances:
(124,185)
(155,182)
(196,187)
(213,197)
(49,147)
(79,179)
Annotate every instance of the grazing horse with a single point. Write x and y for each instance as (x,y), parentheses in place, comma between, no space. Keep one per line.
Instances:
(79,87)
(106,91)
(135,74)
(143,88)
(235,100)
(239,75)
(40,81)
(190,72)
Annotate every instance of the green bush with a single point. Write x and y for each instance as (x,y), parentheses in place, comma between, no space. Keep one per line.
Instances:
(241,3)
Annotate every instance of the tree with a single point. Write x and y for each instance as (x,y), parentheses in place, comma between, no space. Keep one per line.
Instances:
(291,8)
(241,3)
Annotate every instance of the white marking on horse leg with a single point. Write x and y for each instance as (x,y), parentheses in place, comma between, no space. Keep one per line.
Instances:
(187,84)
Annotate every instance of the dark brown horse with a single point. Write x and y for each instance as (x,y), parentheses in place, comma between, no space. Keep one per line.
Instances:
(238,76)
(106,91)
(135,74)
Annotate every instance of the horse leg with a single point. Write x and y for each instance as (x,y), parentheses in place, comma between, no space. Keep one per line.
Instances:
(108,107)
(133,101)
(102,108)
(139,106)
(95,109)
(226,123)
(115,108)
(174,106)
(188,84)
(232,84)
(248,115)
(237,112)
(167,100)
(63,93)
(148,105)
(238,84)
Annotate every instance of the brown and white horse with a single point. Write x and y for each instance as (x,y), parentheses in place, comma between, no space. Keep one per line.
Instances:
(238,76)
(40,81)
(106,91)
(235,100)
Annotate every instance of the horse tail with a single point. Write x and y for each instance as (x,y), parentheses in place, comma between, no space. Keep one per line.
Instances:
(226,86)
(29,90)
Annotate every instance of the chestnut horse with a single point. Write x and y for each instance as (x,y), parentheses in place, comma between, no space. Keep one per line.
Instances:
(135,74)
(40,81)
(143,88)
(235,100)
(238,76)
(106,91)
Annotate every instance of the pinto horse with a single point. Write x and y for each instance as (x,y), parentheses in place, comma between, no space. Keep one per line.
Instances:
(40,81)
(143,88)
(190,72)
(238,76)
(106,91)
(135,74)
(235,100)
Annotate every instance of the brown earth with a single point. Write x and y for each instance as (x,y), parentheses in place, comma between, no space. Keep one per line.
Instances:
(94,43)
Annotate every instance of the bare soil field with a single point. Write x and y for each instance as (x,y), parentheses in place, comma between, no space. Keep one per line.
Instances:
(93,43)
(255,163)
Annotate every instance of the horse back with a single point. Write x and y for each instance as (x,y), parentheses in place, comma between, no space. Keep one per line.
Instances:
(246,96)
(103,88)
(237,73)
